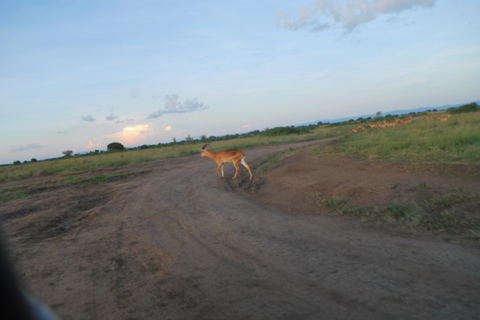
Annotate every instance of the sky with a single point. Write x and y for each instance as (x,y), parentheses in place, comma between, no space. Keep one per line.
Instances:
(78,75)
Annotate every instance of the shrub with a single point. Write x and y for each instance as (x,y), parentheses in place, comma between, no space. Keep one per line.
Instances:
(67,153)
(471,107)
(115,146)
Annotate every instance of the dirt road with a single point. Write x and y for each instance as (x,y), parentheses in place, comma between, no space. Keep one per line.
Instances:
(173,241)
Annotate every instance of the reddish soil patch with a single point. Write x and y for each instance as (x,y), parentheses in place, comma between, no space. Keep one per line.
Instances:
(172,241)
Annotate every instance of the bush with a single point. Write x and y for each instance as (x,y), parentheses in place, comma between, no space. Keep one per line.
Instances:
(115,146)
(471,107)
(67,153)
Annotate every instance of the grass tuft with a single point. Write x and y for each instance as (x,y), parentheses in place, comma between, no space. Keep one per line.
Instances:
(454,212)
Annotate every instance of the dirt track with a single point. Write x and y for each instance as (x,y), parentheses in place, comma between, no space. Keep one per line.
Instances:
(174,241)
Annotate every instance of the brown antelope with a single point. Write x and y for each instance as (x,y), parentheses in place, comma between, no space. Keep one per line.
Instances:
(444,118)
(222,156)
(381,124)
(391,123)
(373,125)
(354,130)
(407,119)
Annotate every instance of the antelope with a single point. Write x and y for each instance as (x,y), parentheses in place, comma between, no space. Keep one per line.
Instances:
(222,156)
(374,125)
(407,119)
(444,118)
(381,124)
(391,123)
(354,130)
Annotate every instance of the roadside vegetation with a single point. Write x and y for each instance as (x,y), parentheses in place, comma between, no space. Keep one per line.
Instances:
(424,140)
(23,191)
(454,212)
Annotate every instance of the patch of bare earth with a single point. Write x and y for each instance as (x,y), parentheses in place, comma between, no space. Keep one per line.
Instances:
(176,242)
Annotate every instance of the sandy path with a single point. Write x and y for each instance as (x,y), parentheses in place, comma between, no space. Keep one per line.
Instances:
(178,243)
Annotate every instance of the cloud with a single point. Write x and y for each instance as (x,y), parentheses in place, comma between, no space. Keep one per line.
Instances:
(168,128)
(88,118)
(91,145)
(173,105)
(132,135)
(348,14)
(27,147)
(111,117)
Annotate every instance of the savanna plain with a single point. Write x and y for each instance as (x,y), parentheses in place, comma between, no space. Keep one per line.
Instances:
(340,221)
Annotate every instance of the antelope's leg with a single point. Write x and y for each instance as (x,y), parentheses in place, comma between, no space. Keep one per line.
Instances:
(222,171)
(218,166)
(235,163)
(246,166)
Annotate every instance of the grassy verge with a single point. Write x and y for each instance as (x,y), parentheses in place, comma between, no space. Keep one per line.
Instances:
(454,141)
(13,193)
(455,212)
(268,161)
(9,194)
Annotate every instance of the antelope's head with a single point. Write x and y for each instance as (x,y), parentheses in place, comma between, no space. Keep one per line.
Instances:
(204,150)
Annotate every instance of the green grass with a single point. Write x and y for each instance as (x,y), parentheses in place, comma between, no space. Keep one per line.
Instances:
(270,160)
(24,191)
(454,212)
(13,193)
(454,141)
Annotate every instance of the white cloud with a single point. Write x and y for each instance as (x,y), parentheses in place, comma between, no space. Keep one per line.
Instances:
(347,14)
(168,128)
(133,135)
(91,145)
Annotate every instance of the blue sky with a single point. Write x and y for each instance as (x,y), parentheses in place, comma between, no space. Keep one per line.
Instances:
(77,75)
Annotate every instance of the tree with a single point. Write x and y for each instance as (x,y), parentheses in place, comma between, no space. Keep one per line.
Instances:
(115,146)
(67,153)
(189,139)
(378,114)
(17,162)
(174,140)
(34,160)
